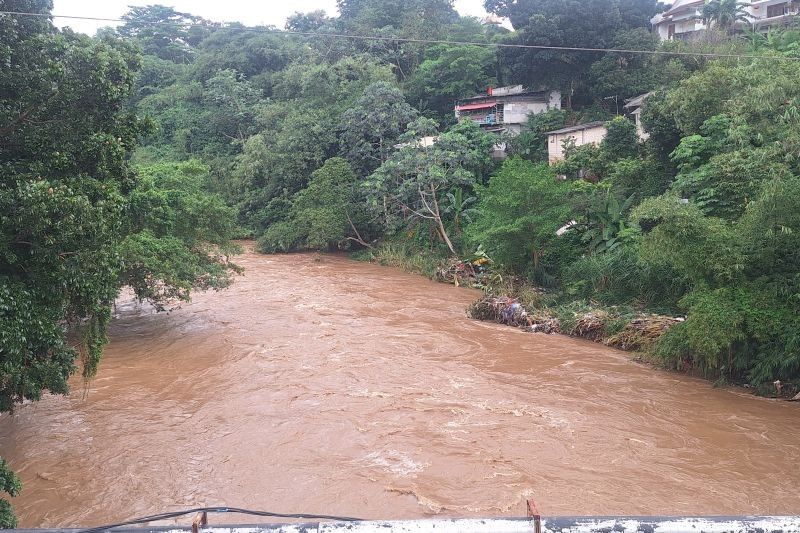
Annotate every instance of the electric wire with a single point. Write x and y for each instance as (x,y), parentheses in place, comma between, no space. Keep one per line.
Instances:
(262,29)
(175,514)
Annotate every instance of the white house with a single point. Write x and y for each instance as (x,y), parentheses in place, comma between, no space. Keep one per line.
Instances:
(679,21)
(590,133)
(506,109)
(682,20)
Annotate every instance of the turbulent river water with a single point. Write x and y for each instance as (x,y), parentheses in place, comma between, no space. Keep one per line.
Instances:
(319,384)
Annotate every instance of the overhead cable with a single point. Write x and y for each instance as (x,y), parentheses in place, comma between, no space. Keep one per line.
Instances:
(275,31)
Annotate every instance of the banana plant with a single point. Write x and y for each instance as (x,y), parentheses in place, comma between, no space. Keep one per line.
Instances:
(607,226)
(459,208)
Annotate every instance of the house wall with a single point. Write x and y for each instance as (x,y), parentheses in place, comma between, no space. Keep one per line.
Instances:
(758,10)
(555,143)
(637,118)
(681,27)
(517,112)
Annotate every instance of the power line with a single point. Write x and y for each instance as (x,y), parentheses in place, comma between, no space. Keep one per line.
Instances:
(710,55)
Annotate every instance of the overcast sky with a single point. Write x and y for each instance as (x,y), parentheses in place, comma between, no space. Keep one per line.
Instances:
(248,12)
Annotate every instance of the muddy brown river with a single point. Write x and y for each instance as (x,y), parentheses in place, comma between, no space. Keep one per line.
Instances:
(319,384)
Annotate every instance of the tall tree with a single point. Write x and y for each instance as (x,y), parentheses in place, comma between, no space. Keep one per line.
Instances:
(370,129)
(418,19)
(164,32)
(413,182)
(448,73)
(565,23)
(518,215)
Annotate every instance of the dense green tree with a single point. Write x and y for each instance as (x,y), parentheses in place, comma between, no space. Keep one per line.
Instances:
(164,32)
(176,233)
(618,75)
(370,129)
(415,19)
(298,130)
(255,53)
(62,184)
(328,214)
(519,212)
(570,23)
(67,198)
(63,187)
(449,73)
(412,183)
(233,105)
(307,22)
(621,139)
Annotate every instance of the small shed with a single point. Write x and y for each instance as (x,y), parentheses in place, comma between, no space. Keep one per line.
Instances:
(589,133)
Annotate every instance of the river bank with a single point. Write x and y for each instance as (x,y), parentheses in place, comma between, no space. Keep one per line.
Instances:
(518,304)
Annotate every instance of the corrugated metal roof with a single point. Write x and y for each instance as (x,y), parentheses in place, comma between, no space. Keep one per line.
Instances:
(543,96)
(579,127)
(482,105)
(636,101)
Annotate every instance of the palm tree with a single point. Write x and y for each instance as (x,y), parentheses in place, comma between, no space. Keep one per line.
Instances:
(724,14)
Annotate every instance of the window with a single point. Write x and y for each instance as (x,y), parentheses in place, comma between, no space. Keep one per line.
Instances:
(671,31)
(777,10)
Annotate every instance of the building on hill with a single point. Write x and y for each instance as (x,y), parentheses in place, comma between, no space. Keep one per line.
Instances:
(506,109)
(682,20)
(768,14)
(633,109)
(589,133)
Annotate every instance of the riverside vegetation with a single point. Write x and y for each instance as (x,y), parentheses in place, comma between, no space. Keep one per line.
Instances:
(132,158)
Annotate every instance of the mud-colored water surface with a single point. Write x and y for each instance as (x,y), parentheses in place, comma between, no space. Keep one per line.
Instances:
(319,384)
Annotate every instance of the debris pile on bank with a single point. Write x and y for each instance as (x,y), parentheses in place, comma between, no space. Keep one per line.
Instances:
(595,325)
(509,311)
(641,332)
(591,325)
(471,271)
(459,273)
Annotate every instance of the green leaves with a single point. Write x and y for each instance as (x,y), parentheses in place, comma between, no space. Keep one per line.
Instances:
(370,129)
(178,235)
(449,73)
(519,213)
(412,183)
(10,484)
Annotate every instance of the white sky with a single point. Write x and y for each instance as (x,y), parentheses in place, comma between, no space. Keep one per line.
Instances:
(248,12)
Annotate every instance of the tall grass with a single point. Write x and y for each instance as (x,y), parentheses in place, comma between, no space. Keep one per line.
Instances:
(405,257)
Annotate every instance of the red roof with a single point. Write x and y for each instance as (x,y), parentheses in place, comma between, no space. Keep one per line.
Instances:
(484,105)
